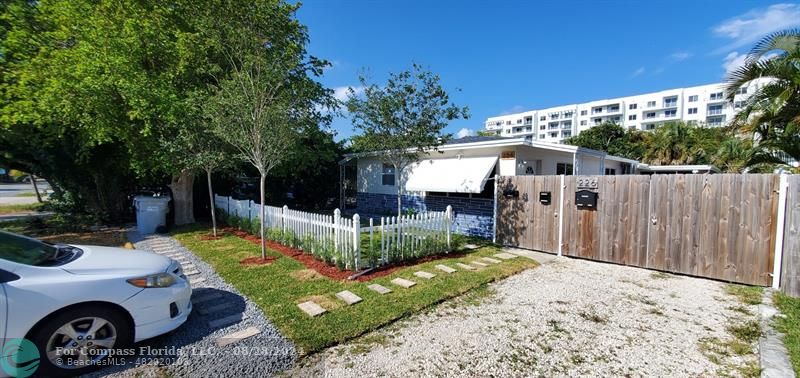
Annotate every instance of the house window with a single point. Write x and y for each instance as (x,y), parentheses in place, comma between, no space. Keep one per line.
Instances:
(508,122)
(613,108)
(528,120)
(715,110)
(742,90)
(670,102)
(632,107)
(543,118)
(541,136)
(616,119)
(583,123)
(716,96)
(693,98)
(564,169)
(542,127)
(670,113)
(567,114)
(611,171)
(566,133)
(388,174)
(651,104)
(650,115)
(554,134)
(692,110)
(583,112)
(632,117)
(738,104)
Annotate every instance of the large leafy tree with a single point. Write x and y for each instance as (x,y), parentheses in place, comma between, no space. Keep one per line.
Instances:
(611,138)
(403,119)
(772,113)
(262,107)
(110,92)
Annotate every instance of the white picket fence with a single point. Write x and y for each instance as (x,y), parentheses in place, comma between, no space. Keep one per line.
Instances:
(338,239)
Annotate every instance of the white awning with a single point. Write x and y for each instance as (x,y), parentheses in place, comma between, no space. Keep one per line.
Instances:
(465,175)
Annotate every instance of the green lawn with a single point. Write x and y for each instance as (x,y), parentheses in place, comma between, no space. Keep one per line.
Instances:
(279,287)
(790,326)
(10,209)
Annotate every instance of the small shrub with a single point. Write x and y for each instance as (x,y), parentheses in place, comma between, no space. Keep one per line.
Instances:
(750,295)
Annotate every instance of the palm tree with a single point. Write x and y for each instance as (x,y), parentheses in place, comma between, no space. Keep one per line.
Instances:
(669,144)
(772,113)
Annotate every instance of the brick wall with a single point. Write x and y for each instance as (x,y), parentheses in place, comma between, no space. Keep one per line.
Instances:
(473,216)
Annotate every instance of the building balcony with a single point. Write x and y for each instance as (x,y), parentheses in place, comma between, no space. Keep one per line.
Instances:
(712,112)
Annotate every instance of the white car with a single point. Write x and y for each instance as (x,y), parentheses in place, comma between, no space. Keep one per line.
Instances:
(78,304)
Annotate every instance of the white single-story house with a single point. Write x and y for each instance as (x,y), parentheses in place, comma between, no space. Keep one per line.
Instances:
(461,174)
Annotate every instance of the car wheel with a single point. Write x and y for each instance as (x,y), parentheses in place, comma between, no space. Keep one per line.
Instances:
(80,339)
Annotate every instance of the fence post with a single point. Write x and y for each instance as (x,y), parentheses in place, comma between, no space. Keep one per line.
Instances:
(561,215)
(283,219)
(356,239)
(783,187)
(371,249)
(449,216)
(337,217)
(250,210)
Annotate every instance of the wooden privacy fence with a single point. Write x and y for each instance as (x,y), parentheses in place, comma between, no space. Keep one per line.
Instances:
(342,241)
(717,226)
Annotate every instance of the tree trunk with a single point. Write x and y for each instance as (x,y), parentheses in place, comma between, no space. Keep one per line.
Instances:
(261,219)
(182,196)
(211,198)
(399,191)
(36,189)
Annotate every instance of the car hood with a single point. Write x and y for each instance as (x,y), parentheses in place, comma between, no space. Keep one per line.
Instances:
(121,261)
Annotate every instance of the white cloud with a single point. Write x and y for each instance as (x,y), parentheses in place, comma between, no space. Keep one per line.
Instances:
(733,61)
(680,55)
(341,93)
(639,71)
(464,132)
(751,26)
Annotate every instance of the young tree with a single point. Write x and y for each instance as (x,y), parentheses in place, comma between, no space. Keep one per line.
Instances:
(611,138)
(261,108)
(403,119)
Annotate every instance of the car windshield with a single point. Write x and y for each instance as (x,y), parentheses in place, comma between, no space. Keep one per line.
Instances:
(24,250)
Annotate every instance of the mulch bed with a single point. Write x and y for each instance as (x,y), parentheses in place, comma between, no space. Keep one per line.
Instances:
(310,262)
(257,261)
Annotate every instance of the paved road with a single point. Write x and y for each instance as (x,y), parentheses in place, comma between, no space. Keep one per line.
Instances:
(12,194)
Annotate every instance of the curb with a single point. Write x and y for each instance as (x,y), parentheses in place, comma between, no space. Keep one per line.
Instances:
(774,358)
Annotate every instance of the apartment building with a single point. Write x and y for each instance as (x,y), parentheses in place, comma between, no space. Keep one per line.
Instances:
(704,104)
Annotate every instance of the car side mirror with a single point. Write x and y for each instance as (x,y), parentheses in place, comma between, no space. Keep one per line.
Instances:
(6,276)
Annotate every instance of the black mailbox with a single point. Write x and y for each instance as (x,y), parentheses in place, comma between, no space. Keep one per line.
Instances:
(586,199)
(544,197)
(510,193)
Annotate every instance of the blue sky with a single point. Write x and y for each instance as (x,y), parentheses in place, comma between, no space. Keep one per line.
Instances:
(509,56)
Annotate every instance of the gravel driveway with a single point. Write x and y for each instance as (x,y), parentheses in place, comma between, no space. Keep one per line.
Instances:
(567,317)
(191,350)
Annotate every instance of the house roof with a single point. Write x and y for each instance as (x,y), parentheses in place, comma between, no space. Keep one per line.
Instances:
(678,168)
(498,141)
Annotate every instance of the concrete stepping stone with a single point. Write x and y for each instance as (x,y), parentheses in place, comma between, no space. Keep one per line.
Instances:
(226,321)
(379,288)
(188,266)
(191,272)
(491,260)
(445,268)
(403,282)
(471,246)
(311,308)
(425,275)
(197,281)
(213,309)
(237,336)
(206,297)
(505,256)
(465,266)
(348,297)
(478,263)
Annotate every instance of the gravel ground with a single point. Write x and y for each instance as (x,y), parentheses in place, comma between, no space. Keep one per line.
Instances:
(191,350)
(567,317)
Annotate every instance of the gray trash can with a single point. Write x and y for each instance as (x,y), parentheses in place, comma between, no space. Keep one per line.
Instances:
(151,212)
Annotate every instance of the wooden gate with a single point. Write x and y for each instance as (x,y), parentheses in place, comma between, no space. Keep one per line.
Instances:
(716,226)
